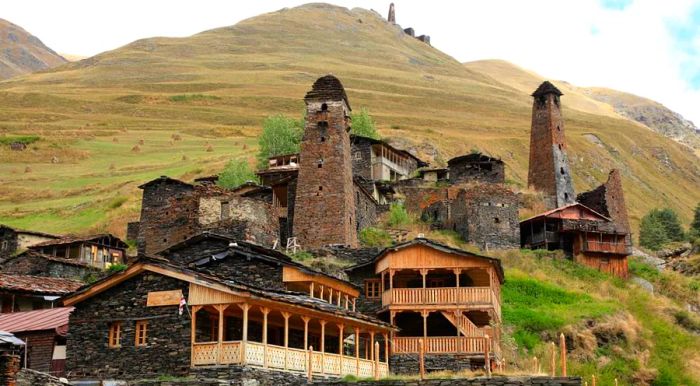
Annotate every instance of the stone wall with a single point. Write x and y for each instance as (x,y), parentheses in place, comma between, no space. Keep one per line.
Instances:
(31,263)
(28,377)
(486,215)
(325,194)
(168,336)
(132,230)
(362,157)
(255,272)
(609,200)
(409,363)
(9,367)
(476,168)
(8,242)
(480,381)
(365,209)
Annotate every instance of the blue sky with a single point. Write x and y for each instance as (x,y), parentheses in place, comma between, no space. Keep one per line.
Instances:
(647,47)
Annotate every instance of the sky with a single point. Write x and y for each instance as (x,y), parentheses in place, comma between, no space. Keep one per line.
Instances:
(650,48)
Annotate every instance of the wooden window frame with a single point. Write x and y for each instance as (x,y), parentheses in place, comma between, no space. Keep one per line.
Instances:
(372,287)
(141,333)
(115,334)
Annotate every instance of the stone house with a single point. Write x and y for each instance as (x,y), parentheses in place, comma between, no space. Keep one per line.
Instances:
(19,293)
(446,297)
(476,167)
(99,251)
(14,241)
(213,305)
(44,334)
(34,263)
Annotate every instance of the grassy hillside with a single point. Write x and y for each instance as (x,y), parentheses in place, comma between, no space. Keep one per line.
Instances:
(217,86)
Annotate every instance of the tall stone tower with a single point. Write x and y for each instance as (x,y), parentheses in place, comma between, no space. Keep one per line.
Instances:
(392,15)
(325,200)
(549,170)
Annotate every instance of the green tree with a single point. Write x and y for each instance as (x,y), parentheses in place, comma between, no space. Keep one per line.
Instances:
(363,125)
(235,173)
(671,224)
(651,233)
(695,225)
(280,135)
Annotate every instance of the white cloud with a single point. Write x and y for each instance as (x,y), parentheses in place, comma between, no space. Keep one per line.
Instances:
(578,41)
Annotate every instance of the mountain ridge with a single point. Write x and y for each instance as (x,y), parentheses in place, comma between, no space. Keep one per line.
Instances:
(22,52)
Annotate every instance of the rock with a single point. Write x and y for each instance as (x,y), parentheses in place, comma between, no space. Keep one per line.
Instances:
(644,284)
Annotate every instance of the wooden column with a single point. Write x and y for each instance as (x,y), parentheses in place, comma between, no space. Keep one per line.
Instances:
(306,320)
(330,295)
(353,304)
(323,346)
(391,279)
(193,332)
(386,348)
(457,271)
(381,283)
(245,307)
(357,351)
(264,311)
(424,273)
(311,291)
(425,315)
(321,295)
(340,295)
(341,331)
(347,302)
(286,316)
(220,335)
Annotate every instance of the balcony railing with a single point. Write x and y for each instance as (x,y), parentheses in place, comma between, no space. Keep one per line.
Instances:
(609,247)
(442,345)
(441,296)
(281,358)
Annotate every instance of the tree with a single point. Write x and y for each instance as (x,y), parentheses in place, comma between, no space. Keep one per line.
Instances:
(236,173)
(280,135)
(695,225)
(671,224)
(363,125)
(651,233)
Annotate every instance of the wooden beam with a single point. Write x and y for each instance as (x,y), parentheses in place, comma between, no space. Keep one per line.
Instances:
(323,346)
(245,307)
(306,320)
(193,333)
(286,316)
(264,311)
(357,351)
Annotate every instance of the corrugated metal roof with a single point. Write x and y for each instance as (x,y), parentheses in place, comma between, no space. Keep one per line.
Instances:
(38,284)
(49,319)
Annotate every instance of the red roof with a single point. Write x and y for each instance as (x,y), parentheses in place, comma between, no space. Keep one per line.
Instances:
(553,212)
(38,284)
(49,319)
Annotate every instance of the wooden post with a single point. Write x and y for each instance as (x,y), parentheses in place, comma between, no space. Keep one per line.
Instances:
(353,304)
(386,348)
(593,380)
(425,314)
(310,365)
(487,356)
(553,361)
(193,332)
(347,302)
(357,351)
(376,360)
(371,345)
(264,311)
(341,331)
(321,295)
(340,295)
(381,284)
(424,273)
(330,295)
(220,335)
(457,271)
(245,307)
(311,291)
(286,316)
(535,364)
(391,279)
(562,347)
(306,320)
(323,346)
(421,359)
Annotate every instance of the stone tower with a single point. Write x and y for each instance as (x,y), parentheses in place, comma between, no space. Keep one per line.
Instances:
(325,200)
(609,200)
(549,170)
(392,15)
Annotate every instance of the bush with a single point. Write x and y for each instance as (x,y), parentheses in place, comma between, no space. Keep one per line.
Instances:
(398,216)
(373,237)
(695,225)
(658,228)
(118,267)
(117,202)
(363,125)
(235,173)
(280,135)
(25,139)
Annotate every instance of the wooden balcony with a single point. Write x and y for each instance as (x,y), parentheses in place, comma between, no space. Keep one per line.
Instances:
(442,345)
(288,359)
(607,247)
(442,296)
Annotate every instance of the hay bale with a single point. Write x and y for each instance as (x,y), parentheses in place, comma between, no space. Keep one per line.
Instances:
(210,148)
(244,146)
(112,166)
(54,160)
(176,137)
(184,157)
(28,169)
(115,139)
(136,149)
(141,142)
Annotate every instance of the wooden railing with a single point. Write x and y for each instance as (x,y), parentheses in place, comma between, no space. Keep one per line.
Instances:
(281,358)
(603,246)
(439,296)
(440,345)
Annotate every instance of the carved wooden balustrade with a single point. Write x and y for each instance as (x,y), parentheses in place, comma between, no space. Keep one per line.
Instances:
(443,345)
(464,296)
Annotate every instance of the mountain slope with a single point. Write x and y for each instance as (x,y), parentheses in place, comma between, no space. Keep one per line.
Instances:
(110,120)
(21,52)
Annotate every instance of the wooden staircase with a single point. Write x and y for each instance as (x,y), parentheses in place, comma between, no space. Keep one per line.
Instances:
(463,324)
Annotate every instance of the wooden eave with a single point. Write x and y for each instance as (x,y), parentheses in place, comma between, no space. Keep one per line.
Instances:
(291,274)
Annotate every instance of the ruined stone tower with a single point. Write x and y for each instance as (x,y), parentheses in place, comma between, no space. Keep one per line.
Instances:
(325,200)
(609,200)
(549,170)
(392,15)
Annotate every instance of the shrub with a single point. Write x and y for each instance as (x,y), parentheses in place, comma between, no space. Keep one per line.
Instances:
(695,225)
(301,256)
(280,135)
(235,173)
(25,139)
(398,216)
(374,237)
(363,125)
(118,267)
(117,202)
(658,228)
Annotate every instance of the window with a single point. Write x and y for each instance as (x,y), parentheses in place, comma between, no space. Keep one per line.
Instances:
(115,334)
(4,245)
(324,107)
(372,289)
(496,220)
(141,329)
(225,210)
(561,169)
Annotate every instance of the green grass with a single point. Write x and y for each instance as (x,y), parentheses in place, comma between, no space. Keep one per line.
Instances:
(192,98)
(25,139)
(375,237)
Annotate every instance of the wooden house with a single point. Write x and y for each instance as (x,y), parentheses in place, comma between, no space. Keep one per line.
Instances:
(20,293)
(14,241)
(447,298)
(99,251)
(212,303)
(589,237)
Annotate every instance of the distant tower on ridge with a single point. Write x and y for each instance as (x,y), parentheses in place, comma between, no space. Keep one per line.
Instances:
(325,195)
(549,170)
(392,15)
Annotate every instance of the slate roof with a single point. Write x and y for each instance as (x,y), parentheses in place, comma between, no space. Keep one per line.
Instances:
(546,88)
(29,254)
(38,284)
(38,320)
(164,179)
(327,88)
(472,158)
(436,245)
(29,232)
(70,239)
(559,209)
(359,138)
